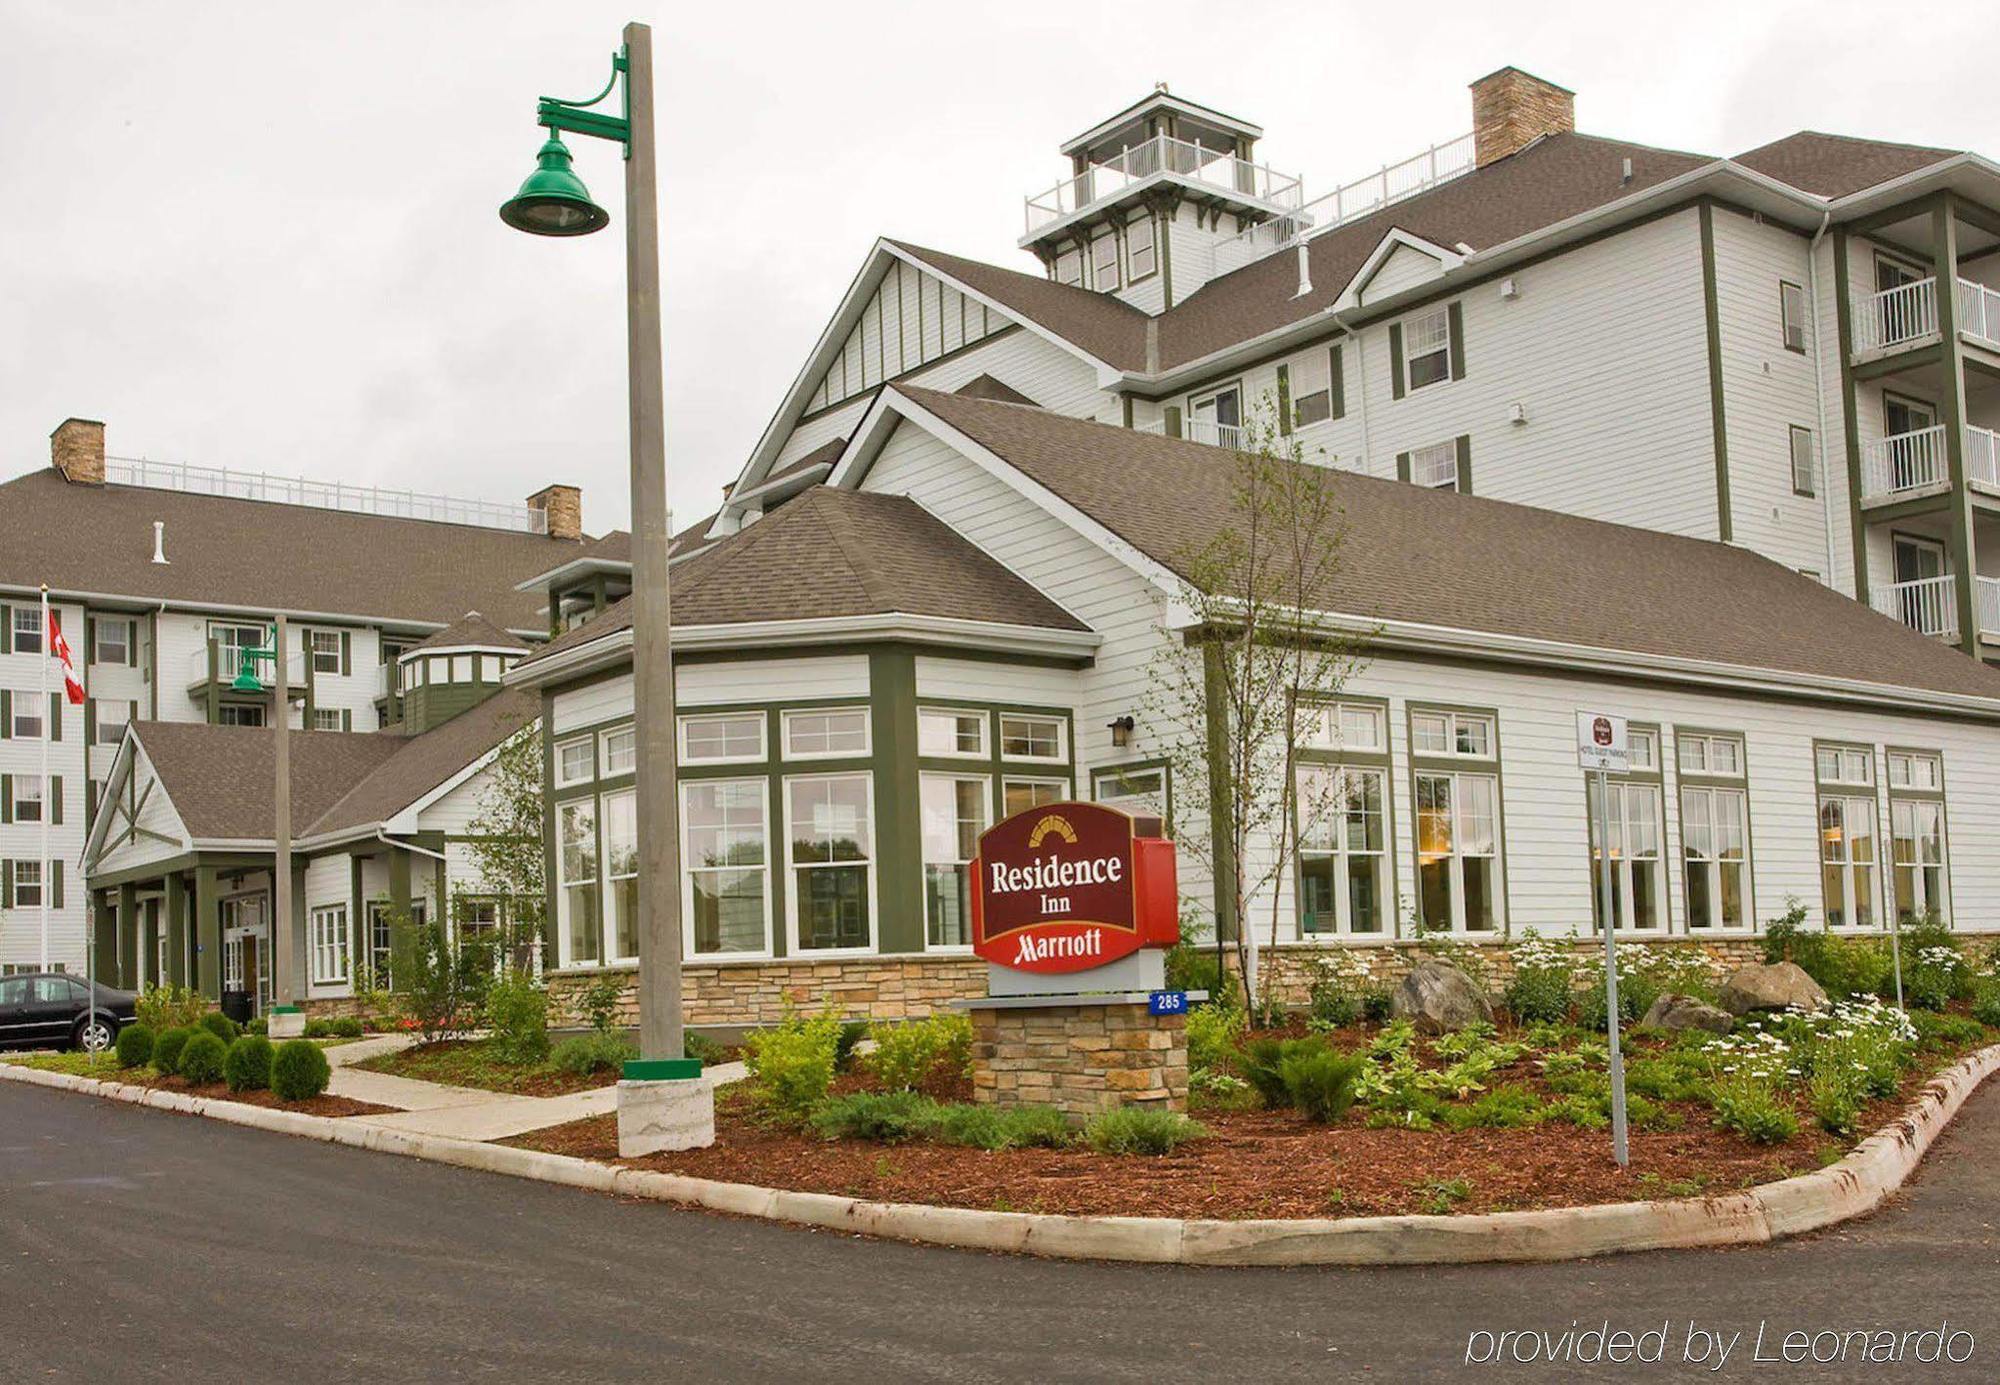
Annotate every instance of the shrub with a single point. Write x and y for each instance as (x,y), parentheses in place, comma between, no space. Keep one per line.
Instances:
(1544,974)
(1263,1060)
(299,1070)
(1504,1108)
(1140,1130)
(791,1064)
(259,1025)
(161,1008)
(1986,1004)
(439,989)
(852,1032)
(135,1046)
(597,1051)
(167,1049)
(884,1116)
(319,1029)
(1377,1004)
(908,1054)
(1333,994)
(201,1058)
(346,1027)
(1752,1110)
(1003,1127)
(220,1025)
(1320,1082)
(247,1066)
(517,1011)
(598,1002)
(1213,1031)
(703,1049)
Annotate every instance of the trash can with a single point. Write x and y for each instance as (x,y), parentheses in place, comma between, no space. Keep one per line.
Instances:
(236,1005)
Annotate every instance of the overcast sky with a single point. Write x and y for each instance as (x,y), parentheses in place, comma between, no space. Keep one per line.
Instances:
(265,236)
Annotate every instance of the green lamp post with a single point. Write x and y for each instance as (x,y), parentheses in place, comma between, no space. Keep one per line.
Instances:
(246,679)
(554,202)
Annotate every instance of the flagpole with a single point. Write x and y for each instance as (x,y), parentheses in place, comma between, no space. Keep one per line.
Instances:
(46,729)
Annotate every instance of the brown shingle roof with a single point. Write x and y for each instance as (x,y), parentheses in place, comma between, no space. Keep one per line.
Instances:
(1112,331)
(424,762)
(1461,562)
(1836,165)
(833,553)
(472,630)
(987,387)
(262,555)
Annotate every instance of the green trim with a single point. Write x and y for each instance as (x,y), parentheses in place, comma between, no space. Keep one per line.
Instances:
(1951,411)
(287,1010)
(1396,390)
(1402,466)
(661,1069)
(899,882)
(1456,764)
(1464,463)
(1337,381)
(1718,422)
(1455,327)
(1222,849)
(207,930)
(1284,401)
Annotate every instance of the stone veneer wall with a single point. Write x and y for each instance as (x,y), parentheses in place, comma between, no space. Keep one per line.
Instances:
(755,993)
(1292,964)
(1080,1059)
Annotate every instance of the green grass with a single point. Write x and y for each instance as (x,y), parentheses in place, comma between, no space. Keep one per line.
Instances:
(476,1064)
(76,1064)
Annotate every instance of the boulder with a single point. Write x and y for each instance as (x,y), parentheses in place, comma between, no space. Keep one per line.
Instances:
(1685,1012)
(1771,986)
(1439,997)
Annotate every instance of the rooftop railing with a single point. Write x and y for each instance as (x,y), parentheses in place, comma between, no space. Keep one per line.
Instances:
(324,495)
(1162,154)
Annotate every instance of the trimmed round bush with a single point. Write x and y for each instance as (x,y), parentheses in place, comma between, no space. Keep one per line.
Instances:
(299,1070)
(167,1049)
(202,1059)
(247,1068)
(346,1027)
(135,1046)
(220,1025)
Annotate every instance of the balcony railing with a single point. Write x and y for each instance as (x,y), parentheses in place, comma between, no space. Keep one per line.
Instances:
(1979,312)
(1162,154)
(1928,605)
(229,663)
(1202,430)
(1982,457)
(1391,183)
(1986,596)
(1906,463)
(324,495)
(1905,313)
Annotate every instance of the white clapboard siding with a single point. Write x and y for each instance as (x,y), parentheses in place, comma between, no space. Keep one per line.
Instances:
(788,680)
(1405,268)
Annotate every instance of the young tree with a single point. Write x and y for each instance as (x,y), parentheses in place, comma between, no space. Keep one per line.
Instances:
(1241,669)
(507,844)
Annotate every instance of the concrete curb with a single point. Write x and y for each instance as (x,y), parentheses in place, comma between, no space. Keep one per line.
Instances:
(1856,1185)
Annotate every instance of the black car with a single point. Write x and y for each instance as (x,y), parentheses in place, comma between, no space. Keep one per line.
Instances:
(49,1009)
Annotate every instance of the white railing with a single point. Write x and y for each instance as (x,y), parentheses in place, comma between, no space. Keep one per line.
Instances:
(1904,462)
(323,495)
(1986,594)
(1982,457)
(1907,312)
(1979,312)
(385,678)
(1391,183)
(1928,605)
(1163,154)
(229,663)
(1201,430)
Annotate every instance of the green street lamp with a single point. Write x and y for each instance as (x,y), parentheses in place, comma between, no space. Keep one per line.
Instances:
(246,679)
(663,1103)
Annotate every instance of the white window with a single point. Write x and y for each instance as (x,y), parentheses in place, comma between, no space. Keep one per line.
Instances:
(1435,467)
(27,798)
(1140,792)
(1311,387)
(479,920)
(27,630)
(1451,733)
(1803,469)
(944,731)
(239,714)
(579,920)
(621,871)
(576,761)
(722,739)
(30,712)
(1847,860)
(461,668)
(1343,850)
(325,650)
(621,751)
(1715,845)
(1019,795)
(111,718)
(1139,248)
(829,849)
(1342,726)
(1643,749)
(1845,764)
(1427,349)
(1069,267)
(329,945)
(954,814)
(1458,852)
(1033,738)
(231,640)
(1104,261)
(1721,756)
(114,642)
(27,884)
(1638,865)
(1916,833)
(820,735)
(1217,419)
(726,842)
(326,719)
(1792,315)
(1912,771)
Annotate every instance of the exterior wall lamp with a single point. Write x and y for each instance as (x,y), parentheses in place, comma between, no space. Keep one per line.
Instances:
(1121,732)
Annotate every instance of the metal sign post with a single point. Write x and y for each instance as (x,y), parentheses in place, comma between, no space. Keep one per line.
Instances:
(1601,745)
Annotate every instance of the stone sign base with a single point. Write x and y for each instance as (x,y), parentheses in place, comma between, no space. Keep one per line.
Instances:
(659,1116)
(1081,1054)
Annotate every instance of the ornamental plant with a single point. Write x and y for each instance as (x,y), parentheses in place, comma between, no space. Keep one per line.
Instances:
(167,1049)
(202,1058)
(1213,1032)
(584,1054)
(247,1066)
(517,1011)
(908,1054)
(135,1046)
(1335,989)
(220,1025)
(791,1064)
(1141,1130)
(299,1070)
(1320,1082)
(1544,976)
(161,1008)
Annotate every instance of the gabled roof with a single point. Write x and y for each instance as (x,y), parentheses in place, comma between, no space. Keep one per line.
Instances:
(986,387)
(261,556)
(1448,561)
(1836,165)
(424,763)
(1101,324)
(470,631)
(831,554)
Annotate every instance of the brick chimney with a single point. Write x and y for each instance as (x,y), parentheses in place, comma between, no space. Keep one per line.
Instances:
(1511,109)
(564,507)
(76,449)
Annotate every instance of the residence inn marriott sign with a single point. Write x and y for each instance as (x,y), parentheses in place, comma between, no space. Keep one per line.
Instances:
(1067,887)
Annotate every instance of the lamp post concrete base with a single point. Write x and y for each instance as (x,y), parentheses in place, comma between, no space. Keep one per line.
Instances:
(663,1106)
(286,1022)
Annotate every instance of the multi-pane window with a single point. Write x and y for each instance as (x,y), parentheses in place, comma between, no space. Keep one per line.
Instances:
(1343,849)
(111,717)
(954,814)
(1792,315)
(1104,261)
(1803,468)
(1458,851)
(27,630)
(325,646)
(830,843)
(1702,753)
(1140,792)
(621,871)
(577,897)
(328,945)
(1844,764)
(1920,885)
(728,870)
(1714,843)
(27,884)
(114,642)
(231,639)
(1069,267)
(1908,770)
(1019,795)
(1311,378)
(576,761)
(1427,348)
(1847,860)
(30,714)
(27,798)
(943,731)
(1451,733)
(621,751)
(1435,467)
(239,714)
(1350,726)
(824,734)
(1638,866)
(722,738)
(479,920)
(1032,737)
(326,719)
(1139,247)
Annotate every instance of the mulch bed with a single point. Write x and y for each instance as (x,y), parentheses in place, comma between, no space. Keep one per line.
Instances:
(1254,1164)
(465,1063)
(325,1104)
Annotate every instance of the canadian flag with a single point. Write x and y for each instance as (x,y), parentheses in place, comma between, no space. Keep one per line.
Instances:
(59,647)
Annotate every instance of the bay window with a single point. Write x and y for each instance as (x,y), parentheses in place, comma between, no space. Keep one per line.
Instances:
(726,842)
(1343,849)
(576,761)
(1142,792)
(945,731)
(722,738)
(954,814)
(579,921)
(821,735)
(621,872)
(619,751)
(1024,737)
(830,850)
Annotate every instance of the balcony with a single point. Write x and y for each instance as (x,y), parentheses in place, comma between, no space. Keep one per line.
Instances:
(1908,314)
(229,662)
(1233,180)
(1929,605)
(1201,430)
(1903,465)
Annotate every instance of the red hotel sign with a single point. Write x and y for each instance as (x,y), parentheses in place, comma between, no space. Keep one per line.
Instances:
(1070,886)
